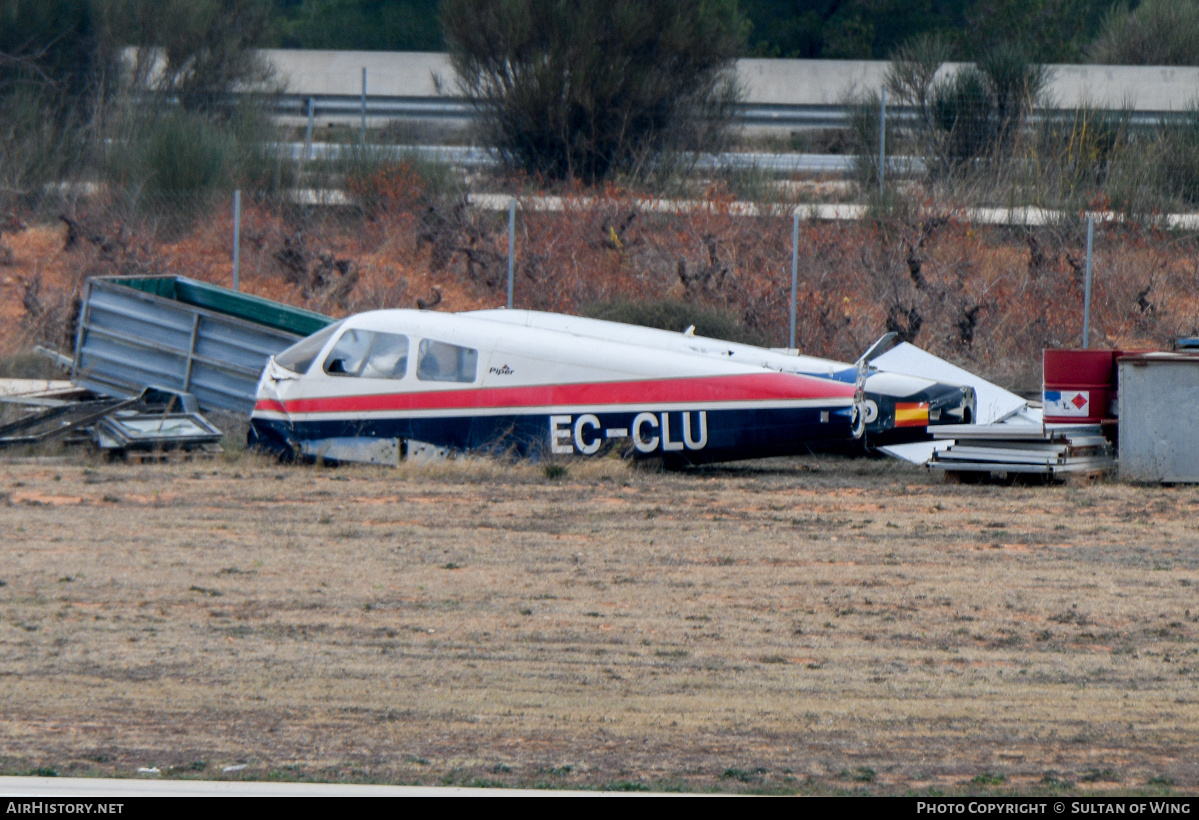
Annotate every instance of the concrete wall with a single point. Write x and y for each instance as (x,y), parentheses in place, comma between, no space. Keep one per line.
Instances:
(775,82)
(388,73)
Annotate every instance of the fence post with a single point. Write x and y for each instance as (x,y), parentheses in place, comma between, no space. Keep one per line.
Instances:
(236,238)
(882,141)
(1086,299)
(511,246)
(308,133)
(794,270)
(364,105)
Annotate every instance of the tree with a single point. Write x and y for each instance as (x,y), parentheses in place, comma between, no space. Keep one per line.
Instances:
(50,44)
(54,65)
(572,89)
(369,25)
(1048,31)
(844,29)
(196,50)
(1156,32)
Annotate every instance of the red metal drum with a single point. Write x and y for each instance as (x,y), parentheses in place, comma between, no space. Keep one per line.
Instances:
(1080,386)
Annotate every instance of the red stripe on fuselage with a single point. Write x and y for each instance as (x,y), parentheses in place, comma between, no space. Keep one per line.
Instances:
(755,387)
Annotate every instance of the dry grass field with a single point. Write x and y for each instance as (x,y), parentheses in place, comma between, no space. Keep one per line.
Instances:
(805,625)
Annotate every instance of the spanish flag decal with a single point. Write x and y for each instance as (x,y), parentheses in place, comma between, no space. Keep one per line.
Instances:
(911,414)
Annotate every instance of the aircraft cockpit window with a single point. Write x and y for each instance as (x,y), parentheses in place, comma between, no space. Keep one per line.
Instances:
(443,362)
(300,356)
(368,354)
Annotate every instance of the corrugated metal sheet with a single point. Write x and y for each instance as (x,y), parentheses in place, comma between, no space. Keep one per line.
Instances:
(152,332)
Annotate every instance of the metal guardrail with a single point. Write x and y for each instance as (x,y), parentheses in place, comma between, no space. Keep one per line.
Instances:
(345,106)
(348,108)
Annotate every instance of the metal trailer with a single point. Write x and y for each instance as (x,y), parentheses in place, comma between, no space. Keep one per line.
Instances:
(179,334)
(1159,414)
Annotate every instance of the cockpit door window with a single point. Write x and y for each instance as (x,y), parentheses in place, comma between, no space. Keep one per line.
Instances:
(368,354)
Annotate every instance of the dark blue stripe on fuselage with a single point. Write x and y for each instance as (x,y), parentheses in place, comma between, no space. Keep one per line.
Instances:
(729,434)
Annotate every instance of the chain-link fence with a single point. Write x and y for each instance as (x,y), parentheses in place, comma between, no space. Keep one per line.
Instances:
(987,296)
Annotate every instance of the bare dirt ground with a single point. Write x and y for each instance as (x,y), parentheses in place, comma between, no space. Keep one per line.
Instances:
(798,625)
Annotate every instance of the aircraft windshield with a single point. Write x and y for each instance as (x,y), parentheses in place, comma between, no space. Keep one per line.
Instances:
(368,354)
(444,362)
(300,356)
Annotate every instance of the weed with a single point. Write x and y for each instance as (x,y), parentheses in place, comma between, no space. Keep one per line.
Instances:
(477,783)
(742,775)
(676,654)
(989,779)
(1099,776)
(626,786)
(862,774)
(212,593)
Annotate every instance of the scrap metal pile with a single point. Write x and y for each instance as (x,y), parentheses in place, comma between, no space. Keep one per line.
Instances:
(977,450)
(152,423)
(151,353)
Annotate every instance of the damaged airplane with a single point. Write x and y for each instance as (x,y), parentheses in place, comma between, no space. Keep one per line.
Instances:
(467,382)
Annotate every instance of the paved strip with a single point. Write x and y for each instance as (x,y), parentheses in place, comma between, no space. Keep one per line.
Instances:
(106,788)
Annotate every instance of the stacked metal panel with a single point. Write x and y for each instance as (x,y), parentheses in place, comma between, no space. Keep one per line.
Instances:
(1023,448)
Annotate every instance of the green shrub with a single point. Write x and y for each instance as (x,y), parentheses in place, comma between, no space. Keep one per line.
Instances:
(185,153)
(171,163)
(39,143)
(1178,156)
(969,118)
(1074,156)
(864,114)
(964,114)
(259,166)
